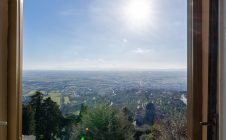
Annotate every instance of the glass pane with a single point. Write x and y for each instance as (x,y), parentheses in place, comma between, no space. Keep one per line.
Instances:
(105,70)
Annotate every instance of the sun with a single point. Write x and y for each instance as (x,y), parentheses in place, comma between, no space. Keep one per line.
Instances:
(138,13)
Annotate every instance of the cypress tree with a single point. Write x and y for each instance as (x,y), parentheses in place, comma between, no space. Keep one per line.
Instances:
(28,120)
(36,104)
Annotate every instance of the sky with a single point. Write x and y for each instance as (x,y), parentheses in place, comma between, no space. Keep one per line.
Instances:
(104,34)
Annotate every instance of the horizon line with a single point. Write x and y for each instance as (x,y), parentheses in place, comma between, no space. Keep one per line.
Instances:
(163,69)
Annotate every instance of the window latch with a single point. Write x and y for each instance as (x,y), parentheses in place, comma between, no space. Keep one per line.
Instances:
(204,123)
(3,123)
(213,121)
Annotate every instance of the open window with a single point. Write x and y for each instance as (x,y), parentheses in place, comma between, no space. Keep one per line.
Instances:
(205,66)
(127,57)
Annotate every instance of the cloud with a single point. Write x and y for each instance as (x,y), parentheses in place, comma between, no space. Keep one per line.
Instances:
(140,51)
(99,31)
(125,40)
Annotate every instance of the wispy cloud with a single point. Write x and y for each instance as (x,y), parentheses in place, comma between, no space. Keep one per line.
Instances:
(80,34)
(125,40)
(141,51)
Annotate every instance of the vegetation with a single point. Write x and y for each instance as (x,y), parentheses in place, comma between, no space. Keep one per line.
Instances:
(28,120)
(104,123)
(113,106)
(42,117)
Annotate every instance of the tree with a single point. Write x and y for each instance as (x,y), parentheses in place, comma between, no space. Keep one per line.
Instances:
(104,122)
(68,123)
(36,104)
(127,113)
(149,113)
(83,110)
(36,100)
(172,128)
(28,120)
(51,119)
(48,117)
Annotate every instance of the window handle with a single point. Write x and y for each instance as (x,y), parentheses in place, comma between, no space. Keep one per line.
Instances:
(212,122)
(204,123)
(3,123)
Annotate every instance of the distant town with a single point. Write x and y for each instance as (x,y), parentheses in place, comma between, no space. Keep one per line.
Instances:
(151,97)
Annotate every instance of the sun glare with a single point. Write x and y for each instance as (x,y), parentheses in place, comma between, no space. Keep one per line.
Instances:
(138,12)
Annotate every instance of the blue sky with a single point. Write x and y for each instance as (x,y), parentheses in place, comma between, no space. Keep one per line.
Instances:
(105,34)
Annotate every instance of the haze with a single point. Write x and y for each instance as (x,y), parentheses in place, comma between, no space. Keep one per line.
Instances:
(105,34)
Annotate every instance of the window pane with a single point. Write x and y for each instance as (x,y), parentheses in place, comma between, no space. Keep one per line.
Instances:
(101,69)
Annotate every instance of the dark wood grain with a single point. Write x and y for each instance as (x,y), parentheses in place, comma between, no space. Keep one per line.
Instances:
(213,68)
(195,80)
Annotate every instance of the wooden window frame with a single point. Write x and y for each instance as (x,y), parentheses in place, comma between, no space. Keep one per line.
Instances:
(222,69)
(213,91)
(195,69)
(14,70)
(203,73)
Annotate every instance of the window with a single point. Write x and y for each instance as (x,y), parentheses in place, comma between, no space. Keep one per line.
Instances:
(198,39)
(105,65)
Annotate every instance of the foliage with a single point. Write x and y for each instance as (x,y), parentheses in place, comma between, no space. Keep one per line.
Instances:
(68,123)
(28,120)
(174,128)
(36,103)
(51,119)
(104,123)
(147,137)
(142,132)
(83,110)
(48,117)
(128,114)
(162,120)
